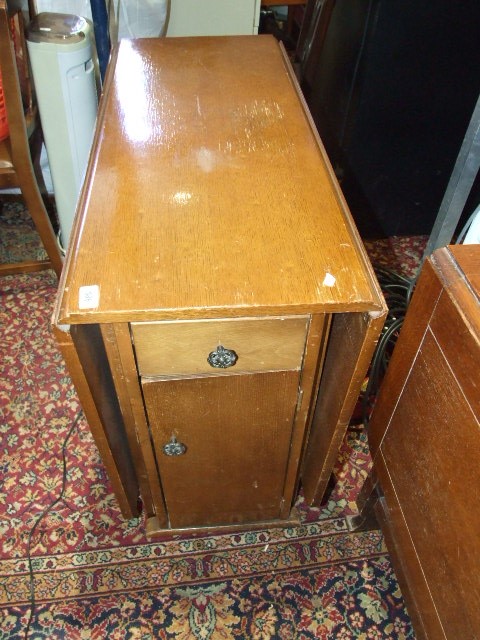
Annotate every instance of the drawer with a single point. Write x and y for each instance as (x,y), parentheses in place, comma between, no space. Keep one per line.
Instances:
(182,348)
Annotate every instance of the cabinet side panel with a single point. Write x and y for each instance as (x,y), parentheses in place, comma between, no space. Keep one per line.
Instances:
(120,355)
(314,354)
(431,450)
(352,341)
(85,357)
(91,351)
(424,300)
(424,434)
(408,568)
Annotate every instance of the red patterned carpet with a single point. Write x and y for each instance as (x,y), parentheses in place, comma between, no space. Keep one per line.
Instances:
(401,255)
(97,576)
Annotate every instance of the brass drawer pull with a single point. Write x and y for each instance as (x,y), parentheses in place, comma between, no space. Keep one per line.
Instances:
(222,358)
(174,448)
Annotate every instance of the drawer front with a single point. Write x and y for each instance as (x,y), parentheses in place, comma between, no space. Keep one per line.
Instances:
(183,348)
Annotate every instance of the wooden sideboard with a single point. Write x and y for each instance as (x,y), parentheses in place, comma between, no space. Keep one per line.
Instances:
(425,441)
(217,311)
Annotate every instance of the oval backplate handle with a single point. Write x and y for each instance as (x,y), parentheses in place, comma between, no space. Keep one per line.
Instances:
(222,358)
(174,448)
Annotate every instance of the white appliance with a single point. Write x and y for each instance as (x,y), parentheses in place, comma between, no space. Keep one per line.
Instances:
(127,18)
(473,233)
(61,55)
(213,17)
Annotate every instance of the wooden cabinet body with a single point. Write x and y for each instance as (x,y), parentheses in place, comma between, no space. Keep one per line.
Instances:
(211,231)
(425,441)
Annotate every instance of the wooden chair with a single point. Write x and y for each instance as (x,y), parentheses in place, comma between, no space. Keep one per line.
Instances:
(20,152)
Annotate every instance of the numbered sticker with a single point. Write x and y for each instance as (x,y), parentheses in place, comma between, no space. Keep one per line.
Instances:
(89,297)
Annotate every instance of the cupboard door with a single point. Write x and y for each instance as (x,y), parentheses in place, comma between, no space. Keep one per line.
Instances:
(236,432)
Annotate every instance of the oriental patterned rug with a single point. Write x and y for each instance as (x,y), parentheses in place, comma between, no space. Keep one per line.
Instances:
(93,575)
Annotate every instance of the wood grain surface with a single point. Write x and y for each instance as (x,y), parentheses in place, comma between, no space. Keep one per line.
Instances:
(425,438)
(208,193)
(175,348)
(237,431)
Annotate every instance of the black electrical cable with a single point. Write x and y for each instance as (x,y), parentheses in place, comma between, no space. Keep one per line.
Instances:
(43,514)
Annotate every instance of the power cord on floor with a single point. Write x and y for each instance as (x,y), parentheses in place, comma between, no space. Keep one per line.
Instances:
(43,514)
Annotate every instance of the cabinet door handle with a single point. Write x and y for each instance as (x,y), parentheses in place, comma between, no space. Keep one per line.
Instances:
(174,448)
(222,358)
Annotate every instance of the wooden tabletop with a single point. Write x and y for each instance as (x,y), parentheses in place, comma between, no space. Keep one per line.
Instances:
(208,193)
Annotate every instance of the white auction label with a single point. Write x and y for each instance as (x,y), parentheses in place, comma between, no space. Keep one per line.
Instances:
(89,296)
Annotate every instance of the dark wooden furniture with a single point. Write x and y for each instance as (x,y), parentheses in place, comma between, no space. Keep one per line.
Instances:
(20,152)
(211,231)
(382,83)
(425,441)
(290,4)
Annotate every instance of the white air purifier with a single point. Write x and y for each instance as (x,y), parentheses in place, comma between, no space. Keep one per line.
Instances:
(62,60)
